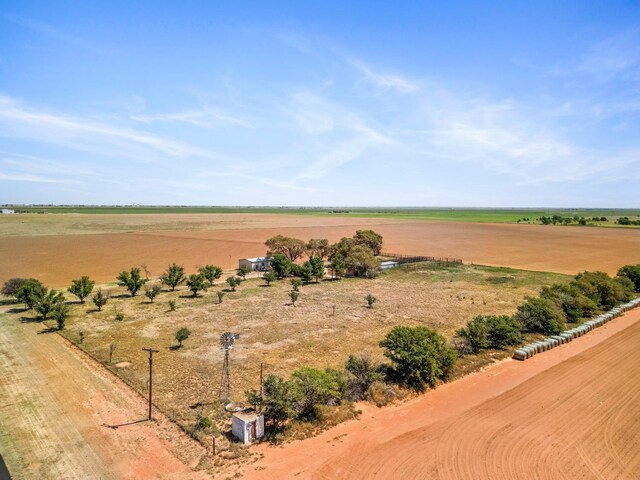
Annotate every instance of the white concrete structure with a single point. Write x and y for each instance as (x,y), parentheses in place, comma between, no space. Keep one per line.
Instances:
(6,211)
(388,265)
(247,426)
(257,264)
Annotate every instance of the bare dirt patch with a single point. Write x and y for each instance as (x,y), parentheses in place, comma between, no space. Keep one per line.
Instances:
(566,414)
(195,240)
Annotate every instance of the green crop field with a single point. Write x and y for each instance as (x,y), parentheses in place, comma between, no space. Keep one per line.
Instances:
(501,215)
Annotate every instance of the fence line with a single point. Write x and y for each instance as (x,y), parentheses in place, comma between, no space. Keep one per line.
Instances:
(402,259)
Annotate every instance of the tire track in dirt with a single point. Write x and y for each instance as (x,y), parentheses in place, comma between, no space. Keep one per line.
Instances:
(55,410)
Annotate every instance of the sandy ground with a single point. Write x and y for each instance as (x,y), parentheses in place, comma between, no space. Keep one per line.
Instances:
(570,413)
(56,409)
(57,259)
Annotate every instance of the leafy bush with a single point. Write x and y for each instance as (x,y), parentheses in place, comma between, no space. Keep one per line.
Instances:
(420,356)
(504,331)
(172,305)
(279,401)
(153,292)
(475,334)
(233,282)
(361,262)
(317,387)
(571,299)
(60,313)
(48,301)
(100,299)
(361,372)
(632,272)
(602,289)
(370,239)
(269,277)
(370,300)
(196,283)
(539,315)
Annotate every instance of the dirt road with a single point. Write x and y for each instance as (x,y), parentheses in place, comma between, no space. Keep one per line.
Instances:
(571,413)
(57,414)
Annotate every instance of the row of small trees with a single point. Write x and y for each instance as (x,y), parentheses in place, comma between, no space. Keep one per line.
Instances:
(585,295)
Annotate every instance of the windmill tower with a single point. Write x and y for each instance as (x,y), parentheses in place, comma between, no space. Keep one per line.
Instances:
(227,340)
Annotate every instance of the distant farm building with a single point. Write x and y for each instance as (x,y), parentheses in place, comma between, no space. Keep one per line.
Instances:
(6,211)
(257,264)
(247,426)
(388,265)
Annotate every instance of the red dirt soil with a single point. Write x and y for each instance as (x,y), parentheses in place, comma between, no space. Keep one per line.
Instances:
(570,413)
(57,259)
(57,409)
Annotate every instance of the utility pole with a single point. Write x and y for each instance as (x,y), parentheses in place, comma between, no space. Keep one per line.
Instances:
(261,389)
(151,352)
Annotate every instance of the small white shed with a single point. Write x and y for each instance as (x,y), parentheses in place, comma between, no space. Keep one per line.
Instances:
(257,264)
(7,211)
(247,426)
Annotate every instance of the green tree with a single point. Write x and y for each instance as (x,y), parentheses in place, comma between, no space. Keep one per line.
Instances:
(504,331)
(318,248)
(60,313)
(370,239)
(153,292)
(292,248)
(29,292)
(82,287)
(475,334)
(243,271)
(131,280)
(48,301)
(196,283)
(632,272)
(281,265)
(293,295)
(317,267)
(173,276)
(296,283)
(420,356)
(210,272)
(343,247)
(220,296)
(279,402)
(269,277)
(571,299)
(337,265)
(182,335)
(602,289)
(362,262)
(317,387)
(305,271)
(539,315)
(233,283)
(100,299)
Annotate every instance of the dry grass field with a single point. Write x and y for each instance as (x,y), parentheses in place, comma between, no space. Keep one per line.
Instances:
(279,335)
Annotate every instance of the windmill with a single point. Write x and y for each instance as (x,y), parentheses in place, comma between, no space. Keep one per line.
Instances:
(227,340)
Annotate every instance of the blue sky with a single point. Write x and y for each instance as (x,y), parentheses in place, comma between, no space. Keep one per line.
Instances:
(496,104)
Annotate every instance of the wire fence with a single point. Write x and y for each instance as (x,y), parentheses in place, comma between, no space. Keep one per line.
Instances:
(403,259)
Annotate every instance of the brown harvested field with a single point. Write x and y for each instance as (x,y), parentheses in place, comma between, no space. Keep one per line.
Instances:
(570,413)
(58,248)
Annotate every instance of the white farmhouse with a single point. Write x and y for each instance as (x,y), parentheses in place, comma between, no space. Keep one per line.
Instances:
(257,264)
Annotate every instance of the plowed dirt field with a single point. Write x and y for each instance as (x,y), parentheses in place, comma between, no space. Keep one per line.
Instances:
(192,240)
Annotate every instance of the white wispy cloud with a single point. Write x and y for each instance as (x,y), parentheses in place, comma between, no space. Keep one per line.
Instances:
(33,178)
(18,120)
(200,118)
(385,81)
